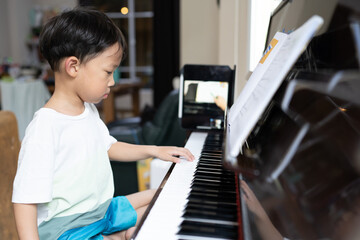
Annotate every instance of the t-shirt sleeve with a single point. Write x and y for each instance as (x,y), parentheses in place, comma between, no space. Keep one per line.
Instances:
(34,176)
(108,139)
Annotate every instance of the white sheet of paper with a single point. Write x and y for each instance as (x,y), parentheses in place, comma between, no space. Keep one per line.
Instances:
(264,82)
(207,91)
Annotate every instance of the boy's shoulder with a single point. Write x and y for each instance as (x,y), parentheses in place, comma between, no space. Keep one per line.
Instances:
(44,116)
(41,124)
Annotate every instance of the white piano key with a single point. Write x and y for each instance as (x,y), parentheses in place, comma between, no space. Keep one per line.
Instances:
(164,218)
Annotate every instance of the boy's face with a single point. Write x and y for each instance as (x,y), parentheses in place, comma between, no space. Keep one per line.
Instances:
(97,75)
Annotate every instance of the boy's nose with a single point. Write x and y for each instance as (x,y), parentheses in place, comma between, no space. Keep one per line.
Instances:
(112,81)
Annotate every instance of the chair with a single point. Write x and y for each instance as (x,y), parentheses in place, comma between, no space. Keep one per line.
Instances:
(9,150)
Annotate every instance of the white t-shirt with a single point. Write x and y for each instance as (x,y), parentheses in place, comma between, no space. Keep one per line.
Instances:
(64,168)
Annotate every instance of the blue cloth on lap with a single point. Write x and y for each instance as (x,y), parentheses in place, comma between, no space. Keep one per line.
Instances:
(119,216)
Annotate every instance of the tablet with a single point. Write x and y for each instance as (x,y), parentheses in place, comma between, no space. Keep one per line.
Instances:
(206,92)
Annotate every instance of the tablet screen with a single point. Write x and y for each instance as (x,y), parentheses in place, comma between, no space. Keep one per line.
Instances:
(205,96)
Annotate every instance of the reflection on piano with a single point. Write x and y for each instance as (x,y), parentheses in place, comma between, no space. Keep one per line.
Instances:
(301,160)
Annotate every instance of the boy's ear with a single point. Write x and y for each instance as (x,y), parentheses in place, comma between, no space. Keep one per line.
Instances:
(72,65)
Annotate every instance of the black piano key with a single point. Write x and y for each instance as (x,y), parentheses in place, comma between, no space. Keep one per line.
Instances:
(213,193)
(215,155)
(209,165)
(212,150)
(211,198)
(210,185)
(211,210)
(217,142)
(215,178)
(224,197)
(210,160)
(208,201)
(212,206)
(215,172)
(219,194)
(214,181)
(209,156)
(217,207)
(206,189)
(208,230)
(205,214)
(212,188)
(212,146)
(215,164)
(211,170)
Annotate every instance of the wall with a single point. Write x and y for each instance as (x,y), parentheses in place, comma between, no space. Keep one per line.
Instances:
(15,26)
(199,23)
(15,31)
(216,34)
(4,34)
(226,33)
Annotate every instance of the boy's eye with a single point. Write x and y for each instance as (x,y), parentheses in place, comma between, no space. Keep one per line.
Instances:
(109,73)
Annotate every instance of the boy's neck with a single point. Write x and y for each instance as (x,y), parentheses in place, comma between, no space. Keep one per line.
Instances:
(64,100)
(65,106)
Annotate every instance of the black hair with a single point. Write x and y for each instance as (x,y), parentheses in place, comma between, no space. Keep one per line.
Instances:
(79,32)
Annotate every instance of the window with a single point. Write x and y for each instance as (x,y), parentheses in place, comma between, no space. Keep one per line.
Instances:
(260,15)
(135,19)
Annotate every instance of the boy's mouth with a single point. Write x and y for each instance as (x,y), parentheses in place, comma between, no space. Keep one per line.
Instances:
(106,95)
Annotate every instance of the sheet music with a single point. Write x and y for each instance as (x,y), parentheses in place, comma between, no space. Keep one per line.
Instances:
(267,77)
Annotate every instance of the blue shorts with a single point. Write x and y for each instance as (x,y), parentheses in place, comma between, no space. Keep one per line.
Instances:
(119,216)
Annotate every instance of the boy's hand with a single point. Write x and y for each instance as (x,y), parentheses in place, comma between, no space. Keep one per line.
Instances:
(220,102)
(173,154)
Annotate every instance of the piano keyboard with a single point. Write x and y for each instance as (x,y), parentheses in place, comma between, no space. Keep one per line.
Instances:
(199,199)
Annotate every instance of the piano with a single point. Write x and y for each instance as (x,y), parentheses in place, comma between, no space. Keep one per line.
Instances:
(301,162)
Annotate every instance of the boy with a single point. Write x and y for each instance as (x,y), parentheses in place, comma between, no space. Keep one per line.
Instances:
(63,187)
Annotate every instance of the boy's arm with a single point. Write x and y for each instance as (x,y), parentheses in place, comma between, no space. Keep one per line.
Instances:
(120,151)
(26,221)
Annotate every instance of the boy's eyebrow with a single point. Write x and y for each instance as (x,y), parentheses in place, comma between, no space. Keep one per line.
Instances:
(114,65)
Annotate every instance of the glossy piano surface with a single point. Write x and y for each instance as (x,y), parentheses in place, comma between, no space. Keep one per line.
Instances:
(308,185)
(316,195)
